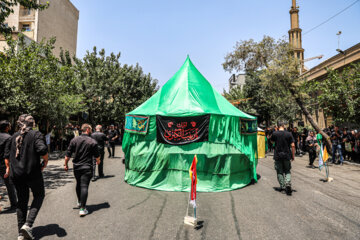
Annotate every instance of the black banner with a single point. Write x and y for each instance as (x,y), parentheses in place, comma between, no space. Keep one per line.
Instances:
(182,130)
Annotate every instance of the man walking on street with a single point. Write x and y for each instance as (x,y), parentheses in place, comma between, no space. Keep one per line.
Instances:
(101,139)
(336,139)
(84,149)
(22,159)
(112,135)
(282,156)
(4,139)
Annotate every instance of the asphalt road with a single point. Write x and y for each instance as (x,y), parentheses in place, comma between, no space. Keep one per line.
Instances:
(316,210)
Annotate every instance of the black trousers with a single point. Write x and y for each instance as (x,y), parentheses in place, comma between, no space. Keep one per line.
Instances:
(100,166)
(110,147)
(83,177)
(22,189)
(312,155)
(9,187)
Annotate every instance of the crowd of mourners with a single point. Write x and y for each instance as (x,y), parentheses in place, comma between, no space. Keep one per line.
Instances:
(58,139)
(24,154)
(345,143)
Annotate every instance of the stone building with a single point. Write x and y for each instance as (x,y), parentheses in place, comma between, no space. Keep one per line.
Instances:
(59,20)
(295,39)
(237,81)
(338,62)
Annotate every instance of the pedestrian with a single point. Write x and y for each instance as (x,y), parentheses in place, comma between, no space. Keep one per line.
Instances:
(311,148)
(345,144)
(283,142)
(296,137)
(5,138)
(336,139)
(22,156)
(84,149)
(101,140)
(112,136)
(304,135)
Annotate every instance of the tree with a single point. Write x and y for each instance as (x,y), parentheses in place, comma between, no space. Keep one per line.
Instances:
(338,94)
(263,101)
(34,81)
(279,70)
(110,89)
(7,8)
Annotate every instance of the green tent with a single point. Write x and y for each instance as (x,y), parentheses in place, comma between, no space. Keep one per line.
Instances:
(192,118)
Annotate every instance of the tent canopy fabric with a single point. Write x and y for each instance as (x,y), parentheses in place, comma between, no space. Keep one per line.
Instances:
(188,93)
(227,160)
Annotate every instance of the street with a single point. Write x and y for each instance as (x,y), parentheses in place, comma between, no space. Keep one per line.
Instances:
(316,210)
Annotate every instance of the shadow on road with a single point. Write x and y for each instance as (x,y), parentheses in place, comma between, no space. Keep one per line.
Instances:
(55,176)
(49,230)
(279,189)
(108,176)
(96,207)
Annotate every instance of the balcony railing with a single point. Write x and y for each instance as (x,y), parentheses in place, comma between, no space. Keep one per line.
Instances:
(27,15)
(29,34)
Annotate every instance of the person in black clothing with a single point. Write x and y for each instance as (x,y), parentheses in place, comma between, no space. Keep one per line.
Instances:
(344,141)
(336,139)
(22,158)
(296,137)
(101,140)
(84,149)
(282,156)
(311,147)
(5,137)
(304,135)
(112,135)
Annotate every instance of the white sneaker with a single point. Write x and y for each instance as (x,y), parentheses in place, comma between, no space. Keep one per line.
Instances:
(83,212)
(21,238)
(78,204)
(26,231)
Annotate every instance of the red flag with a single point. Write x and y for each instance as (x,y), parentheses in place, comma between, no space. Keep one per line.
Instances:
(193,178)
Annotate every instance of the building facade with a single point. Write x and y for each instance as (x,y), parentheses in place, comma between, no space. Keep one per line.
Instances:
(237,81)
(338,62)
(295,39)
(59,20)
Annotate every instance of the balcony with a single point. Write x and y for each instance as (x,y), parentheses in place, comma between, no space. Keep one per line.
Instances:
(29,34)
(26,15)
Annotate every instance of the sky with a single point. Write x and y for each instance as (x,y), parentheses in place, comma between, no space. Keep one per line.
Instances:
(159,34)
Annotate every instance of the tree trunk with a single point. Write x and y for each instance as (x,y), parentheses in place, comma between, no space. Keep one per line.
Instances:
(311,120)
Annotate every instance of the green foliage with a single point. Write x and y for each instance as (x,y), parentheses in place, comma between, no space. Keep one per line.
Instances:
(33,81)
(6,10)
(52,89)
(112,90)
(338,94)
(271,70)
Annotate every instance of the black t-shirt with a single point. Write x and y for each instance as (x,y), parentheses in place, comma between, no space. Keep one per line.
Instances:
(283,141)
(111,135)
(335,139)
(27,165)
(100,138)
(295,136)
(4,139)
(84,148)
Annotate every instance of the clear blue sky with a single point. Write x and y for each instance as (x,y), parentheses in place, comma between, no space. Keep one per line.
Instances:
(158,34)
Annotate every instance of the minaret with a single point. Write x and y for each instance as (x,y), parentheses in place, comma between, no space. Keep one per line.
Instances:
(295,33)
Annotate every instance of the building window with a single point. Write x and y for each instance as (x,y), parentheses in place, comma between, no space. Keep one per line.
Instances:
(26,28)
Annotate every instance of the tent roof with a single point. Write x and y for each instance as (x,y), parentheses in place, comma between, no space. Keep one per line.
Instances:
(188,93)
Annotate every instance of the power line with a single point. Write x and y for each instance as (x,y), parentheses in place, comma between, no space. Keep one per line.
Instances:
(332,17)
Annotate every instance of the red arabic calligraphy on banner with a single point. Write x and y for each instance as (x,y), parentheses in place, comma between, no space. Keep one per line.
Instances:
(182,130)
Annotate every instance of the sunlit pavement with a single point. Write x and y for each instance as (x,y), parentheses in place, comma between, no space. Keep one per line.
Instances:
(316,210)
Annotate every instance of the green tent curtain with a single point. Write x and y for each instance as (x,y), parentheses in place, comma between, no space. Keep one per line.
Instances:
(226,161)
